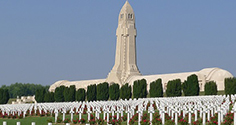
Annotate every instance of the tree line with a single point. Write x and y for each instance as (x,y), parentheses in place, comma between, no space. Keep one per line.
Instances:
(19,89)
(23,89)
(104,91)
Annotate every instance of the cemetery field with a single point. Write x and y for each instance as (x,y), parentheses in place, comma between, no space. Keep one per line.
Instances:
(195,110)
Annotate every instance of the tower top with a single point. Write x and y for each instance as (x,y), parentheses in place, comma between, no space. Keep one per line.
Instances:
(126,13)
(126,8)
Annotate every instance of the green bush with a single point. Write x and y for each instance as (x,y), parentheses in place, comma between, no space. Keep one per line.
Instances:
(230,86)
(39,95)
(210,88)
(140,89)
(4,96)
(173,88)
(59,94)
(191,86)
(114,91)
(103,91)
(80,94)
(92,92)
(49,97)
(125,91)
(156,89)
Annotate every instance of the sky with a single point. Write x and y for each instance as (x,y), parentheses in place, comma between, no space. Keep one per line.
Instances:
(44,41)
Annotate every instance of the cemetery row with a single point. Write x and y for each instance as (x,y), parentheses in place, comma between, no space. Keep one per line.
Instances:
(174,110)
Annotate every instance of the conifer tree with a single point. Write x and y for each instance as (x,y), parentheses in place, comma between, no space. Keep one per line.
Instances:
(156,89)
(140,89)
(114,91)
(72,91)
(103,91)
(125,92)
(210,88)
(191,86)
(92,92)
(80,94)
(174,88)
(49,97)
(230,86)
(39,95)
(58,95)
(4,96)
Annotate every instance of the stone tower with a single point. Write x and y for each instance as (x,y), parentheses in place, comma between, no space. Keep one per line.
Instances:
(125,59)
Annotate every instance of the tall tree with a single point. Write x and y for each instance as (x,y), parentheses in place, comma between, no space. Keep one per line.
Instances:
(140,88)
(191,86)
(80,94)
(114,91)
(103,91)
(92,92)
(174,88)
(125,92)
(156,89)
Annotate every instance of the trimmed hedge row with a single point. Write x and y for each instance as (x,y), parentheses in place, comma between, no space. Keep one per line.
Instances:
(103,91)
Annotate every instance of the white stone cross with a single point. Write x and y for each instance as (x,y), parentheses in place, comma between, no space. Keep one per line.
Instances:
(219,115)
(56,115)
(128,111)
(71,114)
(151,111)
(140,112)
(80,113)
(64,114)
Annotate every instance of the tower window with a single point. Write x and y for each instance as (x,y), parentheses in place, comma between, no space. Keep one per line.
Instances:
(130,16)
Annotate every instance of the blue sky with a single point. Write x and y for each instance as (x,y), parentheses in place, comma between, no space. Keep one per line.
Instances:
(45,41)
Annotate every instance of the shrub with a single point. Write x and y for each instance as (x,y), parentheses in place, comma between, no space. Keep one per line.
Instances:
(92,92)
(210,88)
(140,88)
(103,91)
(114,91)
(156,89)
(173,88)
(80,94)
(58,95)
(191,86)
(230,86)
(125,92)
